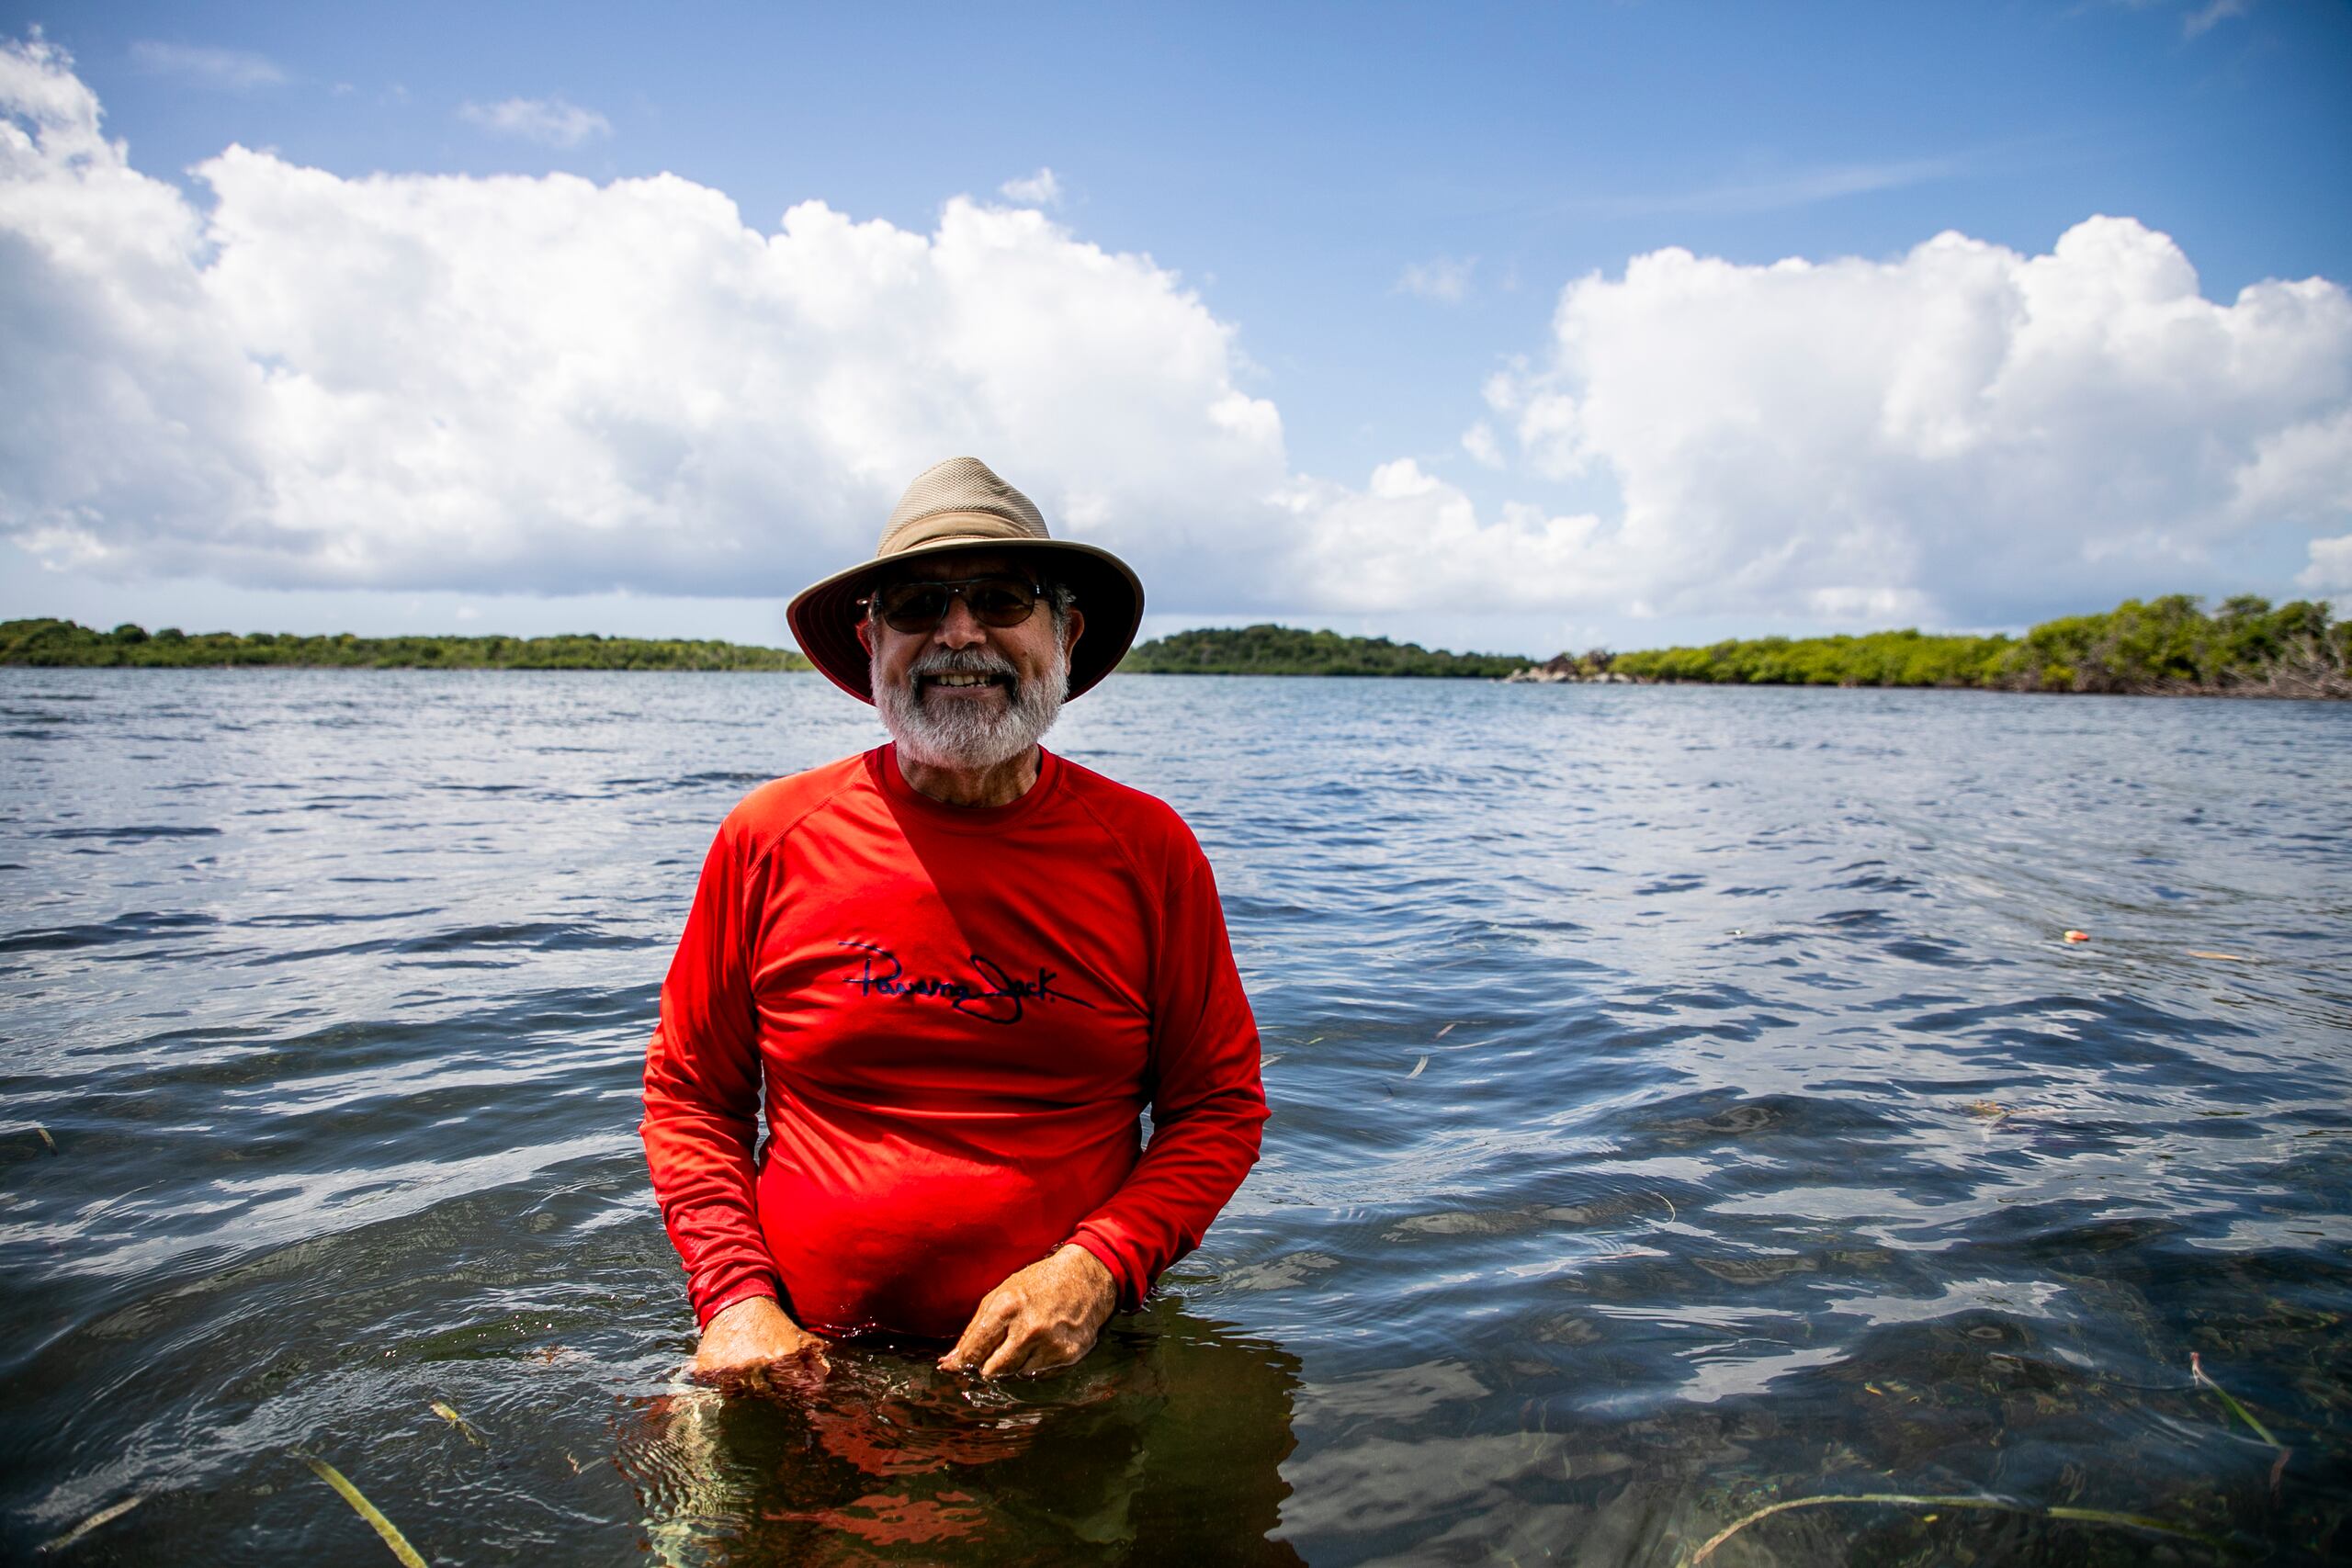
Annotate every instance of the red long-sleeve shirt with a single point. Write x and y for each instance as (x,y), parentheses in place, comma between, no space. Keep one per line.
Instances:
(953,1018)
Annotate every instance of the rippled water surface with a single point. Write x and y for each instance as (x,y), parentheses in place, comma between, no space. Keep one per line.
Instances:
(1684,1102)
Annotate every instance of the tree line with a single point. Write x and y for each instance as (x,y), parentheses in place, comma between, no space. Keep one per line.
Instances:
(1284,651)
(2171,644)
(2161,647)
(60,643)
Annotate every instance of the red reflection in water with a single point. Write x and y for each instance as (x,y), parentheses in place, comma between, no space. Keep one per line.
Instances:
(1167,1442)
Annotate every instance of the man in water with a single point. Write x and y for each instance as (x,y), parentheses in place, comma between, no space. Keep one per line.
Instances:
(953,972)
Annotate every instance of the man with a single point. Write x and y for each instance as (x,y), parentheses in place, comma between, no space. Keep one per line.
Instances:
(953,972)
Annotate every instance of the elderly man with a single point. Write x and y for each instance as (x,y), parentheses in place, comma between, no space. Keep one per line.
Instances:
(952,972)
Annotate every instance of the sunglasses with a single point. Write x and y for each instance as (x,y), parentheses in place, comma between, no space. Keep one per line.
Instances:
(918,607)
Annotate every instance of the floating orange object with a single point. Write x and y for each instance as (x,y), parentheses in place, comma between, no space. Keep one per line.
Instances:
(2078,936)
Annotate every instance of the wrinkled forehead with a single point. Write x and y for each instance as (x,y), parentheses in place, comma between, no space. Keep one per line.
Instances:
(949,566)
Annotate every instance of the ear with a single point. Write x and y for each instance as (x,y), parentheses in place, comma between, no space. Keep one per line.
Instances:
(1073,627)
(866,635)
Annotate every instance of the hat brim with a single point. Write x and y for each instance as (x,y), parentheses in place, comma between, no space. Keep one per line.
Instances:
(824,615)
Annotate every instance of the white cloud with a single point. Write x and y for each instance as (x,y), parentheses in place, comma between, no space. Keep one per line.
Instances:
(234,70)
(1408,538)
(544,384)
(1965,429)
(1040,189)
(2331,568)
(2301,473)
(551,122)
(1480,443)
(1442,279)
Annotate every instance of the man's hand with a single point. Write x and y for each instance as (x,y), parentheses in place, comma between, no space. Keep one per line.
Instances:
(1046,1316)
(752,1336)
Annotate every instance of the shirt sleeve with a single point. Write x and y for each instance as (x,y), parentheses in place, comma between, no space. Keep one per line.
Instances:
(1208,1102)
(702,1094)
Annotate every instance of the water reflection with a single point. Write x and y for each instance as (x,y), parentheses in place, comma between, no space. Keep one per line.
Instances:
(1165,1445)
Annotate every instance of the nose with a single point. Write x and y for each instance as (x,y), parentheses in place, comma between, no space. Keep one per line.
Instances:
(959,628)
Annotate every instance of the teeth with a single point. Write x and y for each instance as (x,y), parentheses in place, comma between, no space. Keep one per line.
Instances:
(961,679)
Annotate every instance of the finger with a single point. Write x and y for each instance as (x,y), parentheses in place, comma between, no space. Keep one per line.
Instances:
(1011,1356)
(1048,1352)
(1057,1350)
(982,1335)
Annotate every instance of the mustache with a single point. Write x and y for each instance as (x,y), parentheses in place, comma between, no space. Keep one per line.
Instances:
(963,661)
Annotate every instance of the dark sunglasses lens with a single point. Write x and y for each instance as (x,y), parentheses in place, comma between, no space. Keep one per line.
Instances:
(916,607)
(1000,603)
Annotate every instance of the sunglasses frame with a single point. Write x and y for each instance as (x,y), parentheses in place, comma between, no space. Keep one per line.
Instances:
(955,588)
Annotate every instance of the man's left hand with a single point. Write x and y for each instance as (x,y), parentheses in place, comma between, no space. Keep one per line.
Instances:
(1046,1316)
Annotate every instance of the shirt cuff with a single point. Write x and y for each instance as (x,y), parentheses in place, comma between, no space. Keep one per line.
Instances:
(1131,1291)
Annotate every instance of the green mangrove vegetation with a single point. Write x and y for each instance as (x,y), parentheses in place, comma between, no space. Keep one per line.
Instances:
(1283,650)
(2162,646)
(2167,646)
(56,643)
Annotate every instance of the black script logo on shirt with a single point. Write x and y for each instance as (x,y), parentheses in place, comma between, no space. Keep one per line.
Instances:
(996,998)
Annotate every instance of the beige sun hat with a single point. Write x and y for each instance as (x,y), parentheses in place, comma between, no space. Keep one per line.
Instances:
(960,504)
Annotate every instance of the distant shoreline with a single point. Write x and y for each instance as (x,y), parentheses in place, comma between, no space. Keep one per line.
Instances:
(2167,647)
(64,644)
(2160,648)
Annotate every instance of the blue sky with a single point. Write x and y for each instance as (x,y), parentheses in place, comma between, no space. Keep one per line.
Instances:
(1362,222)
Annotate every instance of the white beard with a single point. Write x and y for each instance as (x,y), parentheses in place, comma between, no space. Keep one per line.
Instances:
(956,734)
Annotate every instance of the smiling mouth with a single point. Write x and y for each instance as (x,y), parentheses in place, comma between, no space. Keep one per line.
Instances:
(963,683)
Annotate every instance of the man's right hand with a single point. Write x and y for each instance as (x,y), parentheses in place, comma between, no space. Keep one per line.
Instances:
(752,1336)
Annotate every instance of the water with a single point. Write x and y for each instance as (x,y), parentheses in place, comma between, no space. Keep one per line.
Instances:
(1683,1102)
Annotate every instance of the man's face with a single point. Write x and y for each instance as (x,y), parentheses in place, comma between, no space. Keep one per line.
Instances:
(960,692)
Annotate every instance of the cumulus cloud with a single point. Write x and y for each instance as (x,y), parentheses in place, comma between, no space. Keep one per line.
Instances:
(1410,538)
(1963,429)
(1443,278)
(1483,448)
(547,385)
(550,386)
(551,122)
(1040,189)
(234,70)
(2330,571)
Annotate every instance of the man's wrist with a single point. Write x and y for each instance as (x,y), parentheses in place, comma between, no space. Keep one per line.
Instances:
(1113,1281)
(1079,1257)
(755,1291)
